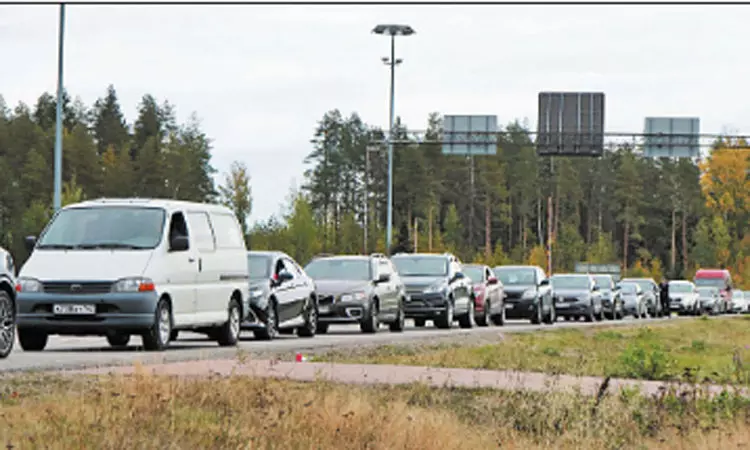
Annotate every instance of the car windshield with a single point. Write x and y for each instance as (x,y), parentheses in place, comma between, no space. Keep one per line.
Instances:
(475,273)
(421,266)
(515,276)
(629,288)
(707,291)
(339,269)
(644,284)
(109,227)
(570,282)
(680,288)
(709,282)
(604,282)
(259,266)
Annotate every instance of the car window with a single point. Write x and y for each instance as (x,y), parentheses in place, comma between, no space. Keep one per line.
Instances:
(203,235)
(292,267)
(228,234)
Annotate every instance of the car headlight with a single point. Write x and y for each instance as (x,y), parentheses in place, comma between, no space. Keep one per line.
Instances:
(354,296)
(529,294)
(28,285)
(438,287)
(133,284)
(255,293)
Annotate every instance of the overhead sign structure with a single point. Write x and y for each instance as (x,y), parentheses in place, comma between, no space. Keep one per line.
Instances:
(605,269)
(469,135)
(570,124)
(672,137)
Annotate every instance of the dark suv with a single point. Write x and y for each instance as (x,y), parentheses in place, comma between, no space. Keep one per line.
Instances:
(437,289)
(527,293)
(358,289)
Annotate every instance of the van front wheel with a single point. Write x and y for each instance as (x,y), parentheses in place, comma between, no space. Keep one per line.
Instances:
(157,337)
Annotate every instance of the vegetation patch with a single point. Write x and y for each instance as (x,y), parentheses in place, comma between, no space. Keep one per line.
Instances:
(716,351)
(153,412)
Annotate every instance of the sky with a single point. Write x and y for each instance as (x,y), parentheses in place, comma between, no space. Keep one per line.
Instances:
(260,77)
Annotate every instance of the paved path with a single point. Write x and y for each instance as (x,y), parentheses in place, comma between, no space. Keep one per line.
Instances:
(370,374)
(75,352)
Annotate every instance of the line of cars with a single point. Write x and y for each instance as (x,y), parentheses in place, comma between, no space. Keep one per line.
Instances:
(122,267)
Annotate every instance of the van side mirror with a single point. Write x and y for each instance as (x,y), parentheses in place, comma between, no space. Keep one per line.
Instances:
(179,244)
(284,277)
(30,242)
(544,282)
(491,281)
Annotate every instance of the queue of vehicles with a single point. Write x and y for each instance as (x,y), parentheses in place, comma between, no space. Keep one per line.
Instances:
(122,267)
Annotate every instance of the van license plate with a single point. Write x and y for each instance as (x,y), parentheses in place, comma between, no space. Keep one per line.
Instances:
(77,310)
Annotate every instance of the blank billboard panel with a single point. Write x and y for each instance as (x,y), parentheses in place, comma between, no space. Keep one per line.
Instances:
(671,137)
(570,124)
(469,135)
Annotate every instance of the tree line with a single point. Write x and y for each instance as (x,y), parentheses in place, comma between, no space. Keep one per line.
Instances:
(656,217)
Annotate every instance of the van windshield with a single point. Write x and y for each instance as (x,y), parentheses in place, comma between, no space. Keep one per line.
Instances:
(108,227)
(710,282)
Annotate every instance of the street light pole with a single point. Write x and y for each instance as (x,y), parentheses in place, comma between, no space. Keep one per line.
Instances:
(57,197)
(392,31)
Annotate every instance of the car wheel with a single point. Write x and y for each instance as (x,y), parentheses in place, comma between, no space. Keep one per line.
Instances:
(536,318)
(174,335)
(552,316)
(322,328)
(32,340)
(228,334)
(590,316)
(397,325)
(7,324)
(157,337)
(446,320)
(271,329)
(371,323)
(311,321)
(485,318)
(467,320)
(118,339)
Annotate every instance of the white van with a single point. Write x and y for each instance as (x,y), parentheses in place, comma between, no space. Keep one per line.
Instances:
(118,267)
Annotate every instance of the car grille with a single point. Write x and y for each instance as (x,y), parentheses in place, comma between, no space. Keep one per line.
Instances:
(77,288)
(569,299)
(513,296)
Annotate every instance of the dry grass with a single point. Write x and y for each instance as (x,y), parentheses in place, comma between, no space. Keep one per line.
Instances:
(715,350)
(150,412)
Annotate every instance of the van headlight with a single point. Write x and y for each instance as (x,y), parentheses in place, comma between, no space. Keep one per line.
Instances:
(134,284)
(436,288)
(528,294)
(28,285)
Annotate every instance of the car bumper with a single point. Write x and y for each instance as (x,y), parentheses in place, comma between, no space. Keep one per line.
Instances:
(608,306)
(124,312)
(519,309)
(679,307)
(342,312)
(571,308)
(422,306)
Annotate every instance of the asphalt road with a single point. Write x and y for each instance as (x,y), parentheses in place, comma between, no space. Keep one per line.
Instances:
(82,352)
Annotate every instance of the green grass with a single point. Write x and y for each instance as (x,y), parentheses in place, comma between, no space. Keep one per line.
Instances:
(716,350)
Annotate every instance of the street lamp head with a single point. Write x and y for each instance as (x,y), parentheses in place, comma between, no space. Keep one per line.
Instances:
(394,30)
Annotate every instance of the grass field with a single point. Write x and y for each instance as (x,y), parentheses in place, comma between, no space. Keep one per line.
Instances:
(149,412)
(711,350)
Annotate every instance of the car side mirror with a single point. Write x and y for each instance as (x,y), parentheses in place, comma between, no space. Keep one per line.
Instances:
(491,280)
(284,276)
(459,276)
(179,244)
(383,278)
(595,288)
(30,242)
(544,282)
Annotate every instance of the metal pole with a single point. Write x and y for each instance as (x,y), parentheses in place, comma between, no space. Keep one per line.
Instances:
(389,230)
(367,194)
(57,198)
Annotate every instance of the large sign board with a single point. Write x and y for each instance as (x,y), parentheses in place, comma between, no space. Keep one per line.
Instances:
(469,135)
(570,124)
(672,137)
(605,269)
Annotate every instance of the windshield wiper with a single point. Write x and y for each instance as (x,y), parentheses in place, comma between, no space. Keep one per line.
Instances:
(57,246)
(110,245)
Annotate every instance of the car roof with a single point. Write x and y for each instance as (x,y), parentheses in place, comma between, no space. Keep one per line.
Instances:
(515,267)
(354,257)
(167,204)
(271,253)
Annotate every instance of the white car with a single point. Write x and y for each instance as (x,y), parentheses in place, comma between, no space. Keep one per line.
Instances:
(739,301)
(119,267)
(7,303)
(683,297)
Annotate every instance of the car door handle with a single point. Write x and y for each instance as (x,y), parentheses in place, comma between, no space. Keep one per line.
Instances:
(191,260)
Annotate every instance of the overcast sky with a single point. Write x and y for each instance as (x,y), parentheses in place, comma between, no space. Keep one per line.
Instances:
(260,77)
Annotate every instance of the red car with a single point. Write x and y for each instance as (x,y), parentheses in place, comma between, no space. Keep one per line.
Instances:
(489,295)
(718,278)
